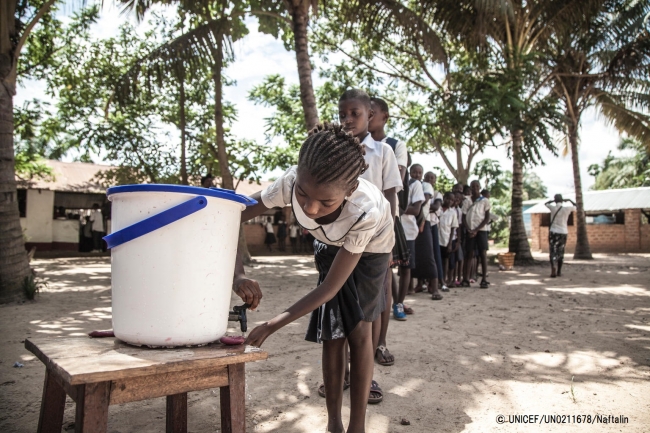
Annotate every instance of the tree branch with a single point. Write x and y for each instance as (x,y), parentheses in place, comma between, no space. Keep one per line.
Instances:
(28,29)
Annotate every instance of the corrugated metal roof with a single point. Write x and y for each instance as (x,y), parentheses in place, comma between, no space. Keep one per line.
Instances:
(606,200)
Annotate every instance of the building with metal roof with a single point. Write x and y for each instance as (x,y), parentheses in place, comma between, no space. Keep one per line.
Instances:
(617,221)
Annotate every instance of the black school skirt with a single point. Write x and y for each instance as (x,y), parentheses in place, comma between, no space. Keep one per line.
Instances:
(362,297)
(425,262)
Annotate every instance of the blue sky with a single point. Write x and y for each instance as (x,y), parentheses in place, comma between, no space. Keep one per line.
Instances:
(259,55)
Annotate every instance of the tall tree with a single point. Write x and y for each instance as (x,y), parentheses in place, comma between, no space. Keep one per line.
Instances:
(623,171)
(603,62)
(516,33)
(17,21)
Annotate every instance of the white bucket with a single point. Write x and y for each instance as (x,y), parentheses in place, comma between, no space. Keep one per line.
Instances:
(173,251)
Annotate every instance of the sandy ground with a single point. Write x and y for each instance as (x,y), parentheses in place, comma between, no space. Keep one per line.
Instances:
(530,345)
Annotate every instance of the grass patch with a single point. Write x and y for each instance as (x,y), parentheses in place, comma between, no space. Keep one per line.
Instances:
(31,286)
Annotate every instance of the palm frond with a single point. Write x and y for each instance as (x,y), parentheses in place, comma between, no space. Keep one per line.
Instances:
(633,123)
(189,52)
(392,17)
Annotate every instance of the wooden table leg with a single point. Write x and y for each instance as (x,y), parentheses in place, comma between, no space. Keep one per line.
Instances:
(92,407)
(233,401)
(52,406)
(177,413)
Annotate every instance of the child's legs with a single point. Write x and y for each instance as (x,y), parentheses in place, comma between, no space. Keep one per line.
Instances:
(385,316)
(361,366)
(404,283)
(333,372)
(394,286)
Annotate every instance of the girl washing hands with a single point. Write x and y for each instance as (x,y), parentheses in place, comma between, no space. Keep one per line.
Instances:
(353,226)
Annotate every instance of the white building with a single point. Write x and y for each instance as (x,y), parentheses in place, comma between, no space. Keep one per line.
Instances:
(50,211)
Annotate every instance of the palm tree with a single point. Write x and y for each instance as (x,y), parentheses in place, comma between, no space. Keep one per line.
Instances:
(16,24)
(516,32)
(603,63)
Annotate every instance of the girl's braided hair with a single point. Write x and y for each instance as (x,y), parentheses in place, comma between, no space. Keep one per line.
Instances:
(332,155)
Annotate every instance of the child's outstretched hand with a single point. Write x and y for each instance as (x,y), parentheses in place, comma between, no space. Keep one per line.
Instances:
(249,291)
(258,335)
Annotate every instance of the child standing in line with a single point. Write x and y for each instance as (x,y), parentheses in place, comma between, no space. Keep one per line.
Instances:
(356,115)
(460,256)
(447,228)
(476,218)
(353,223)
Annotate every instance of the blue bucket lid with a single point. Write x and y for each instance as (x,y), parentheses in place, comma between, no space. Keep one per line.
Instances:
(226,194)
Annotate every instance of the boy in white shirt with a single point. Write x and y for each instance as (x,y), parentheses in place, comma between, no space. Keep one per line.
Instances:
(476,218)
(447,228)
(355,115)
(558,232)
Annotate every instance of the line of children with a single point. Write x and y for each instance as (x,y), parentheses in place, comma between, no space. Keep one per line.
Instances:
(343,192)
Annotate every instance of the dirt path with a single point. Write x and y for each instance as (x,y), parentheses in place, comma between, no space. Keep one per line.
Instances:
(530,345)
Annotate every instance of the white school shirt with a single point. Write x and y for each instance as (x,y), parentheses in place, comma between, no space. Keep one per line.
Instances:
(401,154)
(560,222)
(427,189)
(269,227)
(475,213)
(97,220)
(434,217)
(409,222)
(382,168)
(448,220)
(365,223)
(293,231)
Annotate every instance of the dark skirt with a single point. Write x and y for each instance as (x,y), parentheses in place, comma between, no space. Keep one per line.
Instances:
(362,297)
(425,261)
(270,239)
(401,253)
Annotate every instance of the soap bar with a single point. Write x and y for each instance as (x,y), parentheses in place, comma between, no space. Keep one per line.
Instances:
(233,341)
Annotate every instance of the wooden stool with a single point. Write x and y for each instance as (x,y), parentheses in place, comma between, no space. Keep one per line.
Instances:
(96,373)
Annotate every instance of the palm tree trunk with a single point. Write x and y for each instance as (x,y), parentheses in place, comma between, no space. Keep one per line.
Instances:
(14,264)
(300,17)
(226,176)
(582,251)
(518,242)
(183,127)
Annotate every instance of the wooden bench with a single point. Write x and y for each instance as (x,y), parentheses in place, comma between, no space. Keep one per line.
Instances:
(96,373)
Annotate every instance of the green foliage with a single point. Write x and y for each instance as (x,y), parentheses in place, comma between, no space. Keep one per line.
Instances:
(32,286)
(623,171)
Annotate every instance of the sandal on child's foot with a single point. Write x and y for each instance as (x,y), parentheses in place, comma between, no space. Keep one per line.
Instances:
(321,388)
(407,309)
(445,288)
(465,283)
(484,285)
(376,394)
(384,357)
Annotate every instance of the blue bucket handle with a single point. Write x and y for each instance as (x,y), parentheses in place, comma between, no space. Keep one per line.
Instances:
(155,222)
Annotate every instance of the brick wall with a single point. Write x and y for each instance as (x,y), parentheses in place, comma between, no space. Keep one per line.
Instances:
(603,238)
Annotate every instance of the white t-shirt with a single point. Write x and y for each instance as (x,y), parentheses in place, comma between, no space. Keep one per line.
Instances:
(382,167)
(475,213)
(401,154)
(97,220)
(293,231)
(467,202)
(365,223)
(427,189)
(434,217)
(448,220)
(268,227)
(409,222)
(560,220)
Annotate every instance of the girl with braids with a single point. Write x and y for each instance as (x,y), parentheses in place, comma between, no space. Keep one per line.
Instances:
(353,227)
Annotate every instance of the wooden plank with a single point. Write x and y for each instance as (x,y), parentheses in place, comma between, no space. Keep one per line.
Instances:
(160,385)
(233,401)
(176,413)
(50,419)
(92,407)
(86,360)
